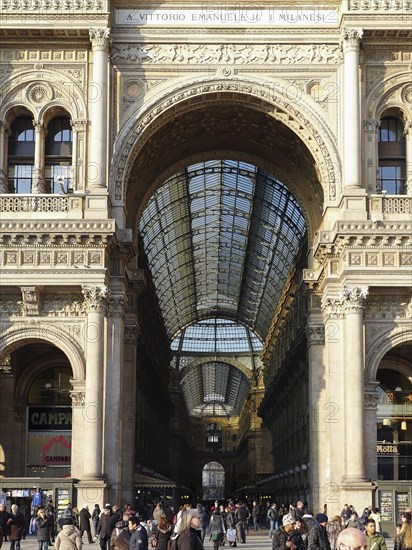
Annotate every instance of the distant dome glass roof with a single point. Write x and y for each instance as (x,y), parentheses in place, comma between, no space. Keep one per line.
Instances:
(216,336)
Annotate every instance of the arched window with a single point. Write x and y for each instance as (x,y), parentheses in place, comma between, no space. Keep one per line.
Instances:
(21,155)
(58,155)
(392,161)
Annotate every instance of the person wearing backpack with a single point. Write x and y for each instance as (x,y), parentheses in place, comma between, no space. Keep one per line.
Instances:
(273,517)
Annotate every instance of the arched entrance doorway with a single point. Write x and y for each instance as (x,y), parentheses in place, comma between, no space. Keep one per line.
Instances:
(213,481)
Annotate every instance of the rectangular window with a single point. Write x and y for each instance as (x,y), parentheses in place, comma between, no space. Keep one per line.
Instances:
(58,177)
(20,178)
(391,179)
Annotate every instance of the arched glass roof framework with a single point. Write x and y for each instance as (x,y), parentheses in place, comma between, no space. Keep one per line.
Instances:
(221,237)
(214,389)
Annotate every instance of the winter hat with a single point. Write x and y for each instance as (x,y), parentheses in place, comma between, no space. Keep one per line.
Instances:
(288,519)
(321,518)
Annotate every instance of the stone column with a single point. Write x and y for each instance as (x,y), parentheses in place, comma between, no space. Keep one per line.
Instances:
(4,188)
(95,299)
(131,334)
(113,396)
(39,184)
(351,109)
(315,335)
(371,405)
(408,168)
(79,136)
(97,167)
(353,301)
(371,127)
(78,403)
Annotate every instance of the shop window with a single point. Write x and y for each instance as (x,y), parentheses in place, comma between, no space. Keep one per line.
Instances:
(59,144)
(21,155)
(392,160)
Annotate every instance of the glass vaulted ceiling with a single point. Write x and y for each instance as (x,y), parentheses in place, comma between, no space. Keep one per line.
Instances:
(221,237)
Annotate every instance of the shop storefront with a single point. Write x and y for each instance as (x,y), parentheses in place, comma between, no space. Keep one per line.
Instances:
(392,498)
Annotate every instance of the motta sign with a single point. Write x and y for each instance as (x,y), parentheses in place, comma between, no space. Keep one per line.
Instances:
(214,15)
(50,418)
(387,449)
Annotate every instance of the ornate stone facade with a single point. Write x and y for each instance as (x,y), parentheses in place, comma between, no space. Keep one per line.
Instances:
(301,93)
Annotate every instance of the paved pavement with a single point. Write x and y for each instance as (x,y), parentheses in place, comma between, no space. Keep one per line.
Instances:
(254,541)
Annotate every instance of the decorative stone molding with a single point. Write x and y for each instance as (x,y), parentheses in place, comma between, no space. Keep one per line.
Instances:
(57,305)
(302,119)
(78,398)
(93,228)
(116,306)
(31,300)
(315,334)
(95,298)
(44,6)
(5,367)
(131,334)
(354,299)
(237,54)
(39,93)
(79,125)
(100,39)
(371,125)
(371,399)
(332,307)
(380,5)
(389,307)
(351,39)
(10,305)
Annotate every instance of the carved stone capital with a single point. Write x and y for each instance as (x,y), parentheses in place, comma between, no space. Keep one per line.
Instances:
(354,299)
(371,398)
(408,128)
(79,125)
(78,398)
(315,334)
(131,334)
(95,298)
(39,127)
(5,367)
(31,303)
(351,39)
(371,125)
(117,306)
(100,39)
(332,307)
(19,413)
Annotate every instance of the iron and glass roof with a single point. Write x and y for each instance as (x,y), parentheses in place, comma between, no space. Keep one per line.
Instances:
(213,336)
(214,389)
(220,238)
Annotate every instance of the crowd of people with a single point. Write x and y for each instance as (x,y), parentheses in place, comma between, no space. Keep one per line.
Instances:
(291,527)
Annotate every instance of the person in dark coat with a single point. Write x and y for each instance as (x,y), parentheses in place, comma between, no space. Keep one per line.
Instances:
(84,523)
(104,529)
(318,536)
(43,529)
(51,518)
(186,532)
(4,516)
(95,517)
(163,534)
(285,537)
(16,524)
(139,539)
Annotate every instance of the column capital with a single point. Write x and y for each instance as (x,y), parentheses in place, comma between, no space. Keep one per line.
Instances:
(116,306)
(408,128)
(315,334)
(371,397)
(131,333)
(351,39)
(100,39)
(332,307)
(371,125)
(39,127)
(354,299)
(79,125)
(95,298)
